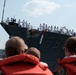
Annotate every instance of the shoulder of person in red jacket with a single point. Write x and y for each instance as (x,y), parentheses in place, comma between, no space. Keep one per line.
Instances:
(23,64)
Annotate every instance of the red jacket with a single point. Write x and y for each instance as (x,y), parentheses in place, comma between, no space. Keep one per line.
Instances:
(70,65)
(23,64)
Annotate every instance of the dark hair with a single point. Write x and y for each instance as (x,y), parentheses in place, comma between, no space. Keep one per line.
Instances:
(71,44)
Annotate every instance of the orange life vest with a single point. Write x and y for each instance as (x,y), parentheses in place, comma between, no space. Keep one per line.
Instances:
(69,64)
(23,64)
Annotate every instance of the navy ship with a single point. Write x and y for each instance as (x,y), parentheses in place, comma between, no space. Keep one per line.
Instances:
(50,44)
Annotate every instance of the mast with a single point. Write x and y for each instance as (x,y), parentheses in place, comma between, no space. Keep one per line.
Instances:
(3,10)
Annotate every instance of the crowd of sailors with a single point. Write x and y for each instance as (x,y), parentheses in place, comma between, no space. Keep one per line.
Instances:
(51,28)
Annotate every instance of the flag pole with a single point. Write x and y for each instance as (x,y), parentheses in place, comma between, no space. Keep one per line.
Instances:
(3,10)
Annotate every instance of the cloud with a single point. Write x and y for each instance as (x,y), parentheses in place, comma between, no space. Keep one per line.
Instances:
(40,7)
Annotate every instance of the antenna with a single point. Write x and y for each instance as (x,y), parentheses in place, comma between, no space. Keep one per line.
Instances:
(3,10)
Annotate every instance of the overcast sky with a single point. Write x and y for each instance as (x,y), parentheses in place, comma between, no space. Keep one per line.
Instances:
(52,12)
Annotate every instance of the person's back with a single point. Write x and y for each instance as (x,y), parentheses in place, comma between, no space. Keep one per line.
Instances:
(34,51)
(14,46)
(67,65)
(19,63)
(23,64)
